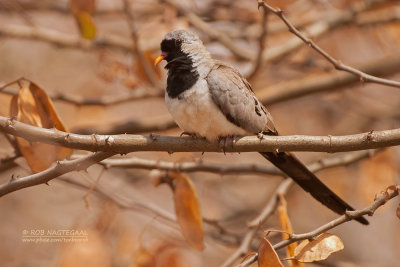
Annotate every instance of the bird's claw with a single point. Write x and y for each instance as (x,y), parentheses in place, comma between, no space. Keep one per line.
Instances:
(225,142)
(193,135)
(234,140)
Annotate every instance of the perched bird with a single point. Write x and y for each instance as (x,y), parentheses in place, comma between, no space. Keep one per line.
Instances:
(210,99)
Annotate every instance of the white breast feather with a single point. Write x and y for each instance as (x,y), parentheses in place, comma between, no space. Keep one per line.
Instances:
(195,112)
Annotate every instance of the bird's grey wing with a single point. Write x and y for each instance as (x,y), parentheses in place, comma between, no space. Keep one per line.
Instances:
(236,100)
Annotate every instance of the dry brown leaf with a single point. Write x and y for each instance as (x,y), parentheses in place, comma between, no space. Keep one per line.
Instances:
(267,256)
(33,106)
(82,10)
(318,249)
(286,226)
(187,210)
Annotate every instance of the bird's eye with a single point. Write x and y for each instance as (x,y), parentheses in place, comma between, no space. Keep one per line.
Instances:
(178,42)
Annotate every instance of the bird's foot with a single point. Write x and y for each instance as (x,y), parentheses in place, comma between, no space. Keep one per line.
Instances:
(223,142)
(193,135)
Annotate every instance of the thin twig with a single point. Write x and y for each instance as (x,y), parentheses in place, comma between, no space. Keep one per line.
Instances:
(125,44)
(149,71)
(147,207)
(364,77)
(332,21)
(91,188)
(379,201)
(213,33)
(244,247)
(10,158)
(125,203)
(226,169)
(106,100)
(261,43)
(8,162)
(58,169)
(323,164)
(328,82)
(387,15)
(60,7)
(18,8)
(198,166)
(84,162)
(65,39)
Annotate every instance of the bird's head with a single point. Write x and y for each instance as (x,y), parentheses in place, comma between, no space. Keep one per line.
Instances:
(181,46)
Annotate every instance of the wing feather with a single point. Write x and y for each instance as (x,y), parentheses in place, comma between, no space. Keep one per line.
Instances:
(237,101)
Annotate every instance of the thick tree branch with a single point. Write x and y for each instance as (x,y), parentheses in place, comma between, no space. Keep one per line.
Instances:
(129,143)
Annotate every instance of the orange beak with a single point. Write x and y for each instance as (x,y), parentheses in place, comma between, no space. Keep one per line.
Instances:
(159,59)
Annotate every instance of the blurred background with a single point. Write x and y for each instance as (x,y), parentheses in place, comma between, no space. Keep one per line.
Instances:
(95,60)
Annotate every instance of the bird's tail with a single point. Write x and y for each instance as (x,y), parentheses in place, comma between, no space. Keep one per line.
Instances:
(307,180)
